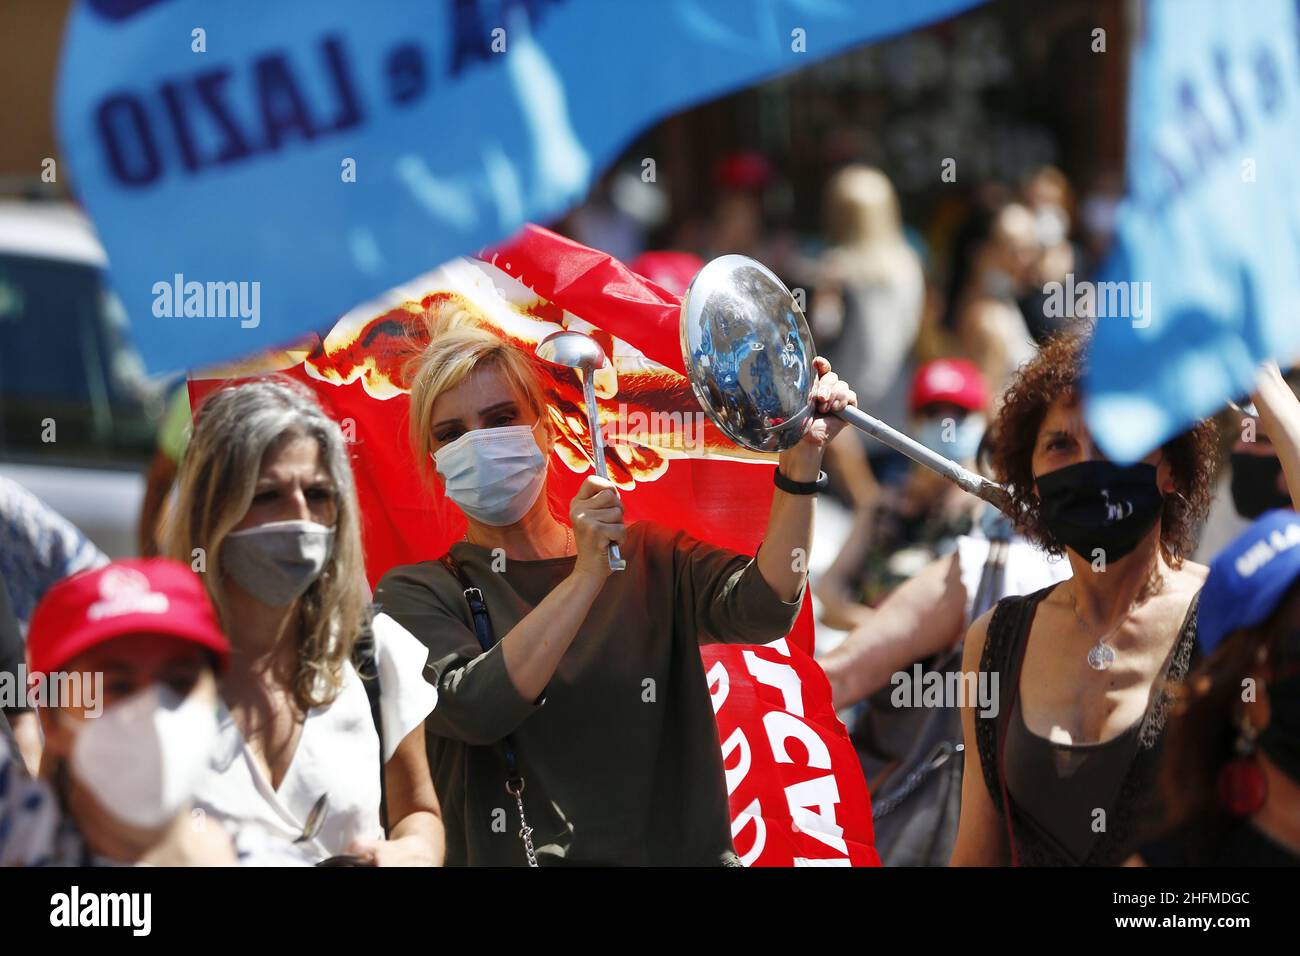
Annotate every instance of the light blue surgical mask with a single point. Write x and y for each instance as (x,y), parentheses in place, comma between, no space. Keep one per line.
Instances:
(495,475)
(952,439)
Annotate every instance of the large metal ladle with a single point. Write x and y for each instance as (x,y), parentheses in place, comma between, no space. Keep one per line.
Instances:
(576,350)
(748,354)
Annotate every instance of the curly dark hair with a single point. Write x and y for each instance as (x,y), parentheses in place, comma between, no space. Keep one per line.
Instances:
(1057,372)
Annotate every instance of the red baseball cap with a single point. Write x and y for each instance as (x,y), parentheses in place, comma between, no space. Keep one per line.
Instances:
(745,170)
(151,596)
(949,380)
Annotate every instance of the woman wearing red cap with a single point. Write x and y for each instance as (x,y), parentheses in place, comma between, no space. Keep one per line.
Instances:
(901,535)
(893,537)
(267,511)
(125,659)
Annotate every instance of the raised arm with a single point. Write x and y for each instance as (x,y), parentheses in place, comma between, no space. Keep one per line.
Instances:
(783,557)
(1279,413)
(535,645)
(484,695)
(922,616)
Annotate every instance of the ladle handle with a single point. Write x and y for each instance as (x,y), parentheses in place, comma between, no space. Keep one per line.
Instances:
(616,562)
(968,481)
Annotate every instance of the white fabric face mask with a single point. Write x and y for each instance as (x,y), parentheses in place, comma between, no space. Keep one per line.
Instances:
(960,444)
(277,561)
(493,474)
(144,757)
(1052,225)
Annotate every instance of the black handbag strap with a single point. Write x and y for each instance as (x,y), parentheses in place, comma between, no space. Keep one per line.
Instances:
(483,631)
(486,639)
(946,727)
(366,661)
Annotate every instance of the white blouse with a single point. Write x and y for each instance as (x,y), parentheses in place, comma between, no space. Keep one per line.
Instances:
(1028,569)
(337,754)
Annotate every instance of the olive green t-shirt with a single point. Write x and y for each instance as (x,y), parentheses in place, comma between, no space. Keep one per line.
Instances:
(620,756)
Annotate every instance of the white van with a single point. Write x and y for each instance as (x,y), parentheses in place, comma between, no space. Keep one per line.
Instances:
(78,416)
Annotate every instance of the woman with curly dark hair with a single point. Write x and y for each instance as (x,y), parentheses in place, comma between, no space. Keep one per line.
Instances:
(1061,768)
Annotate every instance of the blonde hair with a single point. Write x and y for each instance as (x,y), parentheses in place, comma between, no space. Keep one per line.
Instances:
(452,355)
(861,207)
(863,220)
(236,426)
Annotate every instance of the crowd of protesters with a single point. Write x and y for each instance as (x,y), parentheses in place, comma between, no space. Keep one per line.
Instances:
(260,706)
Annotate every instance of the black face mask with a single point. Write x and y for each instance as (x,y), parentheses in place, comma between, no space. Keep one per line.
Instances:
(1255,485)
(1280,740)
(1099,504)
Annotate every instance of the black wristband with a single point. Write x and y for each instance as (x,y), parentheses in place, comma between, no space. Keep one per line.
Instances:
(800,487)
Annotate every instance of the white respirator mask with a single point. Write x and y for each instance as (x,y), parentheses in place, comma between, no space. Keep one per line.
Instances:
(143,758)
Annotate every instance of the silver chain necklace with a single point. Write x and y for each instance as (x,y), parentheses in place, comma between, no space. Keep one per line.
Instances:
(1101,655)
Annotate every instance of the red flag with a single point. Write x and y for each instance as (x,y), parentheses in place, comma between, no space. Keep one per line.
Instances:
(597,287)
(670,461)
(794,783)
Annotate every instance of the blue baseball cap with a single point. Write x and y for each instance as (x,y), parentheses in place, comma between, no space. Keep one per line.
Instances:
(1249,578)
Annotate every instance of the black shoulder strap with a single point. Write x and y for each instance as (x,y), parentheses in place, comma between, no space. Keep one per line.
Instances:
(1004,652)
(366,661)
(483,631)
(474,598)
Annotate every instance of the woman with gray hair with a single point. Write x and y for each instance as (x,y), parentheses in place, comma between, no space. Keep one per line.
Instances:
(267,514)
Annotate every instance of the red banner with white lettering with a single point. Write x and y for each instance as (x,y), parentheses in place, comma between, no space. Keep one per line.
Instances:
(793,779)
(802,784)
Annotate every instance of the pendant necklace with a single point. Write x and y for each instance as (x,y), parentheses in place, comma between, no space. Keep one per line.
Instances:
(1101,655)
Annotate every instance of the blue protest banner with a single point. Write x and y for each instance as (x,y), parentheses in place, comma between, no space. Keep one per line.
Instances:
(1204,283)
(255,169)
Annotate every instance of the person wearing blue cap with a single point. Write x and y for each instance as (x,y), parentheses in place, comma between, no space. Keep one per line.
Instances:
(1231,770)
